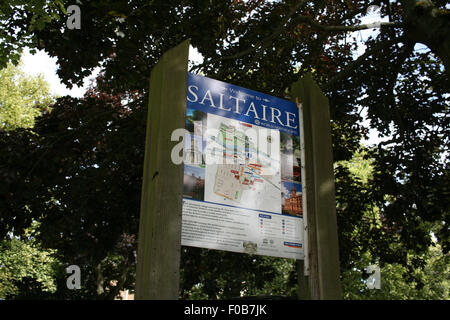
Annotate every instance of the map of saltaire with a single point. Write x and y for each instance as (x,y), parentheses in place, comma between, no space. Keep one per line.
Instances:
(242,165)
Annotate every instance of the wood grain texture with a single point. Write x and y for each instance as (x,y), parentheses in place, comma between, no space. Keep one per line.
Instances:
(323,250)
(159,244)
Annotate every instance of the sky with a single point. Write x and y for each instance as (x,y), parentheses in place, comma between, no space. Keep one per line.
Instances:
(41,63)
(286,188)
(198,172)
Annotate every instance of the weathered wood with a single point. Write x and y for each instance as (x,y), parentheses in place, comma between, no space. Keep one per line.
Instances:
(159,245)
(298,92)
(323,251)
(303,292)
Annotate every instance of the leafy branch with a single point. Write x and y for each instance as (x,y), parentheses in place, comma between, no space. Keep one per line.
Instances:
(267,41)
(356,63)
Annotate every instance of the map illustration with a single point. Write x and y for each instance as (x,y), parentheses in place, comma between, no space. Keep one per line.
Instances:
(243,161)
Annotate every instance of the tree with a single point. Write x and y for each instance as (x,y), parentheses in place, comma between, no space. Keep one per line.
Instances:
(22,98)
(19,21)
(26,269)
(81,170)
(399,282)
(423,276)
(47,170)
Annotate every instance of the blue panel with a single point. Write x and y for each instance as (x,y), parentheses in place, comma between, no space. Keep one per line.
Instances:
(230,101)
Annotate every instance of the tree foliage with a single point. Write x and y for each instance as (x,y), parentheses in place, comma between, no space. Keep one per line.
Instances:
(423,275)
(79,171)
(26,269)
(431,282)
(19,21)
(22,98)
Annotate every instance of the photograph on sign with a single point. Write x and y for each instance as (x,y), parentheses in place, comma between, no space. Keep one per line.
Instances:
(242,182)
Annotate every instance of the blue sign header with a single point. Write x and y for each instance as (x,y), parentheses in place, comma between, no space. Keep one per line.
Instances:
(230,101)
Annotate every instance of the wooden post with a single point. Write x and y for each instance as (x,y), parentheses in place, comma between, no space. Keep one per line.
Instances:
(304,291)
(323,250)
(159,245)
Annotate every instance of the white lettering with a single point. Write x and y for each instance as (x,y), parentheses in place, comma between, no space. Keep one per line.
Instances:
(289,119)
(252,108)
(201,310)
(236,110)
(264,112)
(192,93)
(221,103)
(277,116)
(208,97)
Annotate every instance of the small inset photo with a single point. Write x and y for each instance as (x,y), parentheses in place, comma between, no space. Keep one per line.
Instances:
(194,182)
(194,141)
(291,195)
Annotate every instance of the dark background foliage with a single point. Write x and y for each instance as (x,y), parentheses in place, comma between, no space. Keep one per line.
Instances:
(78,171)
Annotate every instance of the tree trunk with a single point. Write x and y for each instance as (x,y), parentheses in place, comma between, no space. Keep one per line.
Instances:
(430,26)
(100,279)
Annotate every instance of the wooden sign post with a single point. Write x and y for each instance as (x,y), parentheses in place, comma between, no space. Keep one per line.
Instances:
(160,232)
(322,268)
(159,246)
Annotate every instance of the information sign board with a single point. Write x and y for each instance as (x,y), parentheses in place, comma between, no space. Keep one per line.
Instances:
(242,171)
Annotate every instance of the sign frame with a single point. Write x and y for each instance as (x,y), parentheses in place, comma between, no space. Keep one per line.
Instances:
(159,244)
(239,205)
